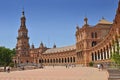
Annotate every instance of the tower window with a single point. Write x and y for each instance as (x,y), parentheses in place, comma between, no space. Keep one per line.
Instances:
(94,34)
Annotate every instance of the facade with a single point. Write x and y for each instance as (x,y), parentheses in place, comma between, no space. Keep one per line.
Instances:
(93,44)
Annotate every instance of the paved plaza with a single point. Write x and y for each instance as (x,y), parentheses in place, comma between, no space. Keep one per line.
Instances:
(56,73)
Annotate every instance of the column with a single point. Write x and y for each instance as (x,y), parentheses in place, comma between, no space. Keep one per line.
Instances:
(97,56)
(103,55)
(119,44)
(112,50)
(115,47)
(94,56)
(106,54)
(109,54)
(100,55)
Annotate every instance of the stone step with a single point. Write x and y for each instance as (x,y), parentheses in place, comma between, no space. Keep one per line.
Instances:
(113,78)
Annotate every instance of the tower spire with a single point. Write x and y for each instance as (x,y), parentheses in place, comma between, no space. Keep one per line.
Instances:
(23,13)
(23,19)
(85,20)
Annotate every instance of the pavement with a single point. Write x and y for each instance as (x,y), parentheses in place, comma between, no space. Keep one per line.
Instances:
(56,73)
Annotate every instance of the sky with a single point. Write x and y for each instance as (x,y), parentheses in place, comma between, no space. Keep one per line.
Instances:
(51,21)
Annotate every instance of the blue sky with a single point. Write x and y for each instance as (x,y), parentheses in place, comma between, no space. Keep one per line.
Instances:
(51,21)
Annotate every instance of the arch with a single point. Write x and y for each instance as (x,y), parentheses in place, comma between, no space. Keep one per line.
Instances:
(50,60)
(59,60)
(104,53)
(65,60)
(95,56)
(101,54)
(110,46)
(45,60)
(94,43)
(71,59)
(62,60)
(92,56)
(68,60)
(56,60)
(98,55)
(53,60)
(107,51)
(40,61)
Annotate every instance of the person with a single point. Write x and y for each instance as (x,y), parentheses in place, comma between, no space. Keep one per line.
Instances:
(101,66)
(8,70)
(98,66)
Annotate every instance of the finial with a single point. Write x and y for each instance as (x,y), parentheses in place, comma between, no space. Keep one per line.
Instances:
(32,46)
(54,46)
(86,20)
(103,17)
(41,44)
(77,27)
(23,13)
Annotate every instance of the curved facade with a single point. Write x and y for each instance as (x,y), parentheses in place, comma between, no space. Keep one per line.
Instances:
(93,43)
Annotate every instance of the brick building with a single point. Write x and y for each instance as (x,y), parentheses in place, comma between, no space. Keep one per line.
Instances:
(93,43)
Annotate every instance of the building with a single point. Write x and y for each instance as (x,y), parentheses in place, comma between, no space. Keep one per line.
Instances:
(93,43)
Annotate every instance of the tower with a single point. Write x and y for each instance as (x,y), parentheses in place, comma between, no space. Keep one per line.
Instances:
(22,46)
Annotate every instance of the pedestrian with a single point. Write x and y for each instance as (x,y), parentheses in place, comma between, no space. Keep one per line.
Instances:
(101,66)
(8,70)
(98,67)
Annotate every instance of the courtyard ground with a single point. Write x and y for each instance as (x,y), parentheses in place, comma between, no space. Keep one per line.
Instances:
(56,73)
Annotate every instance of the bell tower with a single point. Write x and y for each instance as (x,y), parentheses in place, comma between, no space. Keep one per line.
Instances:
(22,46)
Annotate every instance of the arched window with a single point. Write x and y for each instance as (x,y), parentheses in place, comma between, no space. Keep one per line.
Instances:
(95,34)
(94,43)
(92,35)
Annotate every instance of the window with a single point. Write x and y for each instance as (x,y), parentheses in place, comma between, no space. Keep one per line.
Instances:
(94,34)
(94,43)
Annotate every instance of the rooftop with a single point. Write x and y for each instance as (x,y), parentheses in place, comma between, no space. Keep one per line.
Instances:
(60,49)
(104,21)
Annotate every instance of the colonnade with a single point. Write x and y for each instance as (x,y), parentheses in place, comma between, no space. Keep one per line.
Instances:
(66,60)
(105,52)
